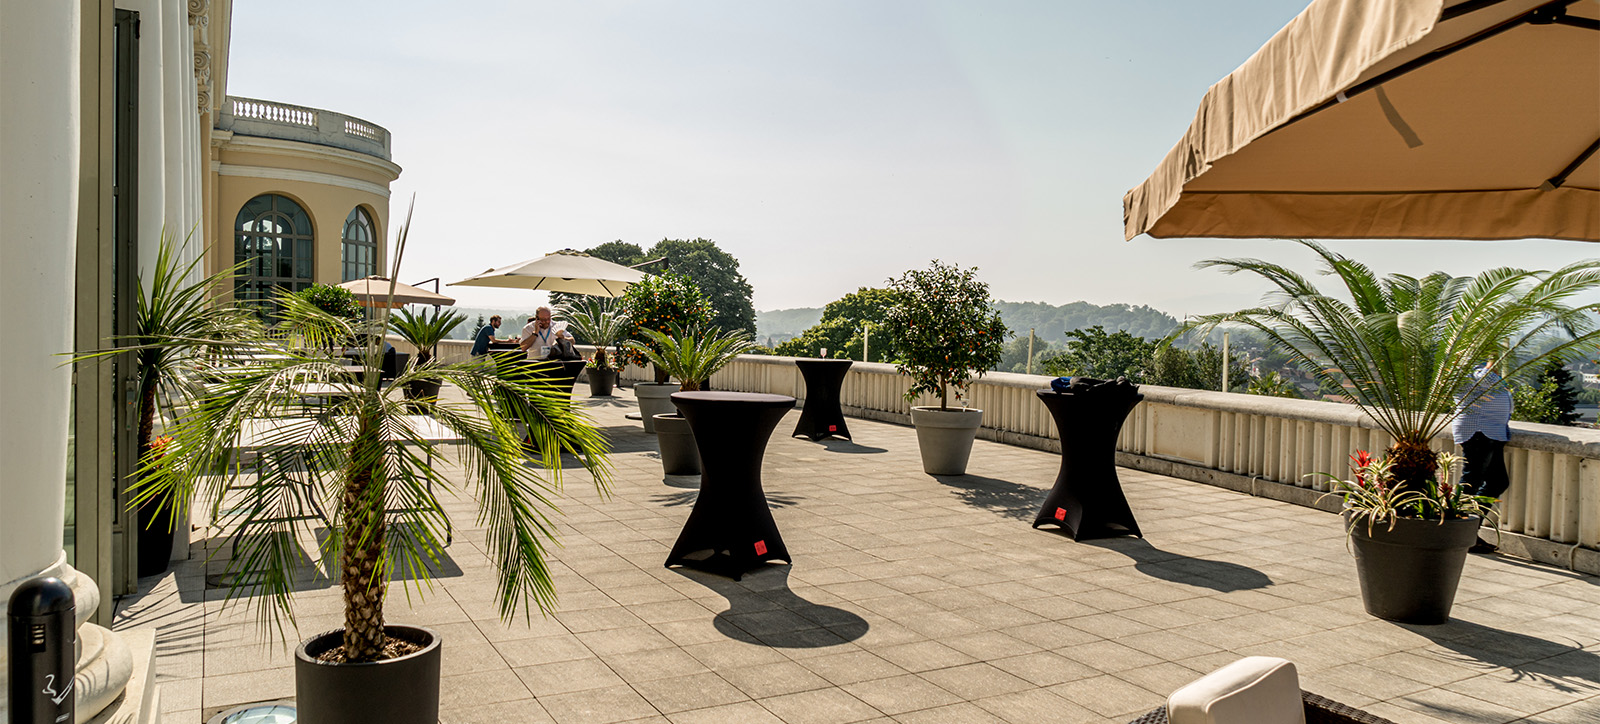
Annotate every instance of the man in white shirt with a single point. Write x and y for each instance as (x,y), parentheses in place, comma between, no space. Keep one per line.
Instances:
(541,334)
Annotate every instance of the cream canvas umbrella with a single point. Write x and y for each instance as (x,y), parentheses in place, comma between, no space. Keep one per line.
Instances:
(563,271)
(1404,119)
(374,292)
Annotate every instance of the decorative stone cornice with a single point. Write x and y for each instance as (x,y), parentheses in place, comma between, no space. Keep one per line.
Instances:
(200,21)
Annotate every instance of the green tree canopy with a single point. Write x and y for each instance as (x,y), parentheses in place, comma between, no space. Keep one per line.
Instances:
(943,328)
(715,272)
(840,331)
(1094,353)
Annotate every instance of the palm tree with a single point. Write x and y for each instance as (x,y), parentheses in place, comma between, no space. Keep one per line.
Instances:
(425,329)
(692,355)
(369,461)
(597,321)
(1403,348)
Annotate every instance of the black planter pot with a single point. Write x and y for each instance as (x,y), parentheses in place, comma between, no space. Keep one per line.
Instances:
(601,381)
(396,691)
(1409,574)
(155,538)
(679,453)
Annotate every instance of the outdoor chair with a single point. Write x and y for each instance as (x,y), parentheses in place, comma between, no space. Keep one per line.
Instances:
(1253,690)
(1319,710)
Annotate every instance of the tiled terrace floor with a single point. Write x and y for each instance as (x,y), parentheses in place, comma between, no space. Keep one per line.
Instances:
(919,600)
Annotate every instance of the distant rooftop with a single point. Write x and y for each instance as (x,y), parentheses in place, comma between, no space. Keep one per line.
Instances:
(271,119)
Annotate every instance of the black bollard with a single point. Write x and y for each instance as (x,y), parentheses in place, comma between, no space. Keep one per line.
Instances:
(41,650)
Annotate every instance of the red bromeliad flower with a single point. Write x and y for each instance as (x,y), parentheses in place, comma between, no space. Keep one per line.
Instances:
(1360,461)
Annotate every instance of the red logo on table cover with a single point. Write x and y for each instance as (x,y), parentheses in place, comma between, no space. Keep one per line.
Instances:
(1061,513)
(833,428)
(761,547)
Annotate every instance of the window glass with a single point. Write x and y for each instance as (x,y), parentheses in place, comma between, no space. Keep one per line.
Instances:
(273,235)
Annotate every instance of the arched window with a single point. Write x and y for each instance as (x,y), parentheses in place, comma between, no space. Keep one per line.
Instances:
(273,234)
(359,253)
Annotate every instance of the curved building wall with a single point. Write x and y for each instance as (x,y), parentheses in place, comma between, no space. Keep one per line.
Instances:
(326,182)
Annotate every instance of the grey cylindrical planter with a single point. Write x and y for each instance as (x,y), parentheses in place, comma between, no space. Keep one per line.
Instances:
(945,438)
(1409,574)
(655,398)
(601,381)
(679,454)
(402,691)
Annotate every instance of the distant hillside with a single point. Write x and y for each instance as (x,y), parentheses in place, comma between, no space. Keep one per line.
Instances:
(1051,323)
(510,323)
(786,323)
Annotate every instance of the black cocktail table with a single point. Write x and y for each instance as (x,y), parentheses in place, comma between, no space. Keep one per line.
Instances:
(821,417)
(1087,500)
(730,529)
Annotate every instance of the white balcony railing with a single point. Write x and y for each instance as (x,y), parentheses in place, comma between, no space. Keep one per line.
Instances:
(271,119)
(1259,445)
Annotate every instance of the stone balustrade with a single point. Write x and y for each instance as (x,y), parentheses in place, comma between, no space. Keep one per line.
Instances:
(285,121)
(1265,446)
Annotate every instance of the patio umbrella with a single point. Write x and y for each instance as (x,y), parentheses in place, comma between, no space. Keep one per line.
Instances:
(1404,119)
(563,271)
(374,292)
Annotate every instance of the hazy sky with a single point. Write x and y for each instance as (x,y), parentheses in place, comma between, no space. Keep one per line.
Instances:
(826,145)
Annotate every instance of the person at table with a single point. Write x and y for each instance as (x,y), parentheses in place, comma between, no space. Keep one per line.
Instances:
(541,334)
(480,344)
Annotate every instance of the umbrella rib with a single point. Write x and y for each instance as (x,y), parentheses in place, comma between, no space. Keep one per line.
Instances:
(1561,178)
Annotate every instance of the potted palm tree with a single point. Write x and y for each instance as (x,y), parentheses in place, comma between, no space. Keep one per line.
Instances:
(597,321)
(424,331)
(943,328)
(1403,350)
(190,328)
(660,303)
(692,355)
(368,462)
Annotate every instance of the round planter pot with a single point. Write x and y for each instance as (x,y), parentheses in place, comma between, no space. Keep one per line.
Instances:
(655,398)
(679,454)
(945,438)
(1409,574)
(601,381)
(155,538)
(401,691)
(421,390)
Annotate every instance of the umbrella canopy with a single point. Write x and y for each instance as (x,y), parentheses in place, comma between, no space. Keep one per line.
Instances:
(374,292)
(563,271)
(1404,119)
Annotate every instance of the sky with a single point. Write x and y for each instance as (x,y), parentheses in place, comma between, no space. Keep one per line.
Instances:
(828,145)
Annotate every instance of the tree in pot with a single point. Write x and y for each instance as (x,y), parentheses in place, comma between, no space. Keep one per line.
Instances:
(370,465)
(598,321)
(424,331)
(692,355)
(1403,349)
(943,327)
(176,327)
(661,303)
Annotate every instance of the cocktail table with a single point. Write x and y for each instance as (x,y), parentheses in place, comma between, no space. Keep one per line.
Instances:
(821,416)
(1087,500)
(730,529)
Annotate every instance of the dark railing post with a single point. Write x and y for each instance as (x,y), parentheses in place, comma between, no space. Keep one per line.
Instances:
(40,651)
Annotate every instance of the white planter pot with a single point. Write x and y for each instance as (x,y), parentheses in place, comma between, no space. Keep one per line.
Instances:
(654,399)
(945,438)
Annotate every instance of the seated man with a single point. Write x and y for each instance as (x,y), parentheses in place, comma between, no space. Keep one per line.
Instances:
(541,334)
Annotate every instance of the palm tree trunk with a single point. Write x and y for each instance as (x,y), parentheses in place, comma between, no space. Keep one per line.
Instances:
(1414,464)
(362,546)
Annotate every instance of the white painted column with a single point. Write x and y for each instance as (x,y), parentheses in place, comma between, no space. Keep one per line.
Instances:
(177,76)
(39,150)
(152,127)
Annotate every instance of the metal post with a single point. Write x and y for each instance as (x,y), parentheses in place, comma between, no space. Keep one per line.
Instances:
(41,651)
(1028,368)
(866,338)
(1225,362)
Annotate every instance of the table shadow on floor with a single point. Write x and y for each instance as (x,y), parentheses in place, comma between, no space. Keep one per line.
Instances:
(1220,576)
(762,610)
(1012,500)
(849,447)
(688,496)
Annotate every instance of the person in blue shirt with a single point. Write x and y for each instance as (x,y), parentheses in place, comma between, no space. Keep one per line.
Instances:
(480,345)
(1482,427)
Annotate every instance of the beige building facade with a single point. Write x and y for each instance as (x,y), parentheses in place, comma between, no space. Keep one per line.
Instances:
(118,131)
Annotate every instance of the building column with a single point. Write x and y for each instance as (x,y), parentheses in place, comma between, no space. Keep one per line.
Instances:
(39,149)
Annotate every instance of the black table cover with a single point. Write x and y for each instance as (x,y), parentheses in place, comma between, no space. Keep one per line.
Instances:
(821,417)
(730,529)
(1087,500)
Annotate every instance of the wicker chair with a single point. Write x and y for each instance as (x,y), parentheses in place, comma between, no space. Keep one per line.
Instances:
(1319,710)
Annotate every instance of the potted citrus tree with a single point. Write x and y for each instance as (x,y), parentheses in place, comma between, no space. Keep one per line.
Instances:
(660,303)
(424,331)
(598,321)
(1403,350)
(692,355)
(943,330)
(369,462)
